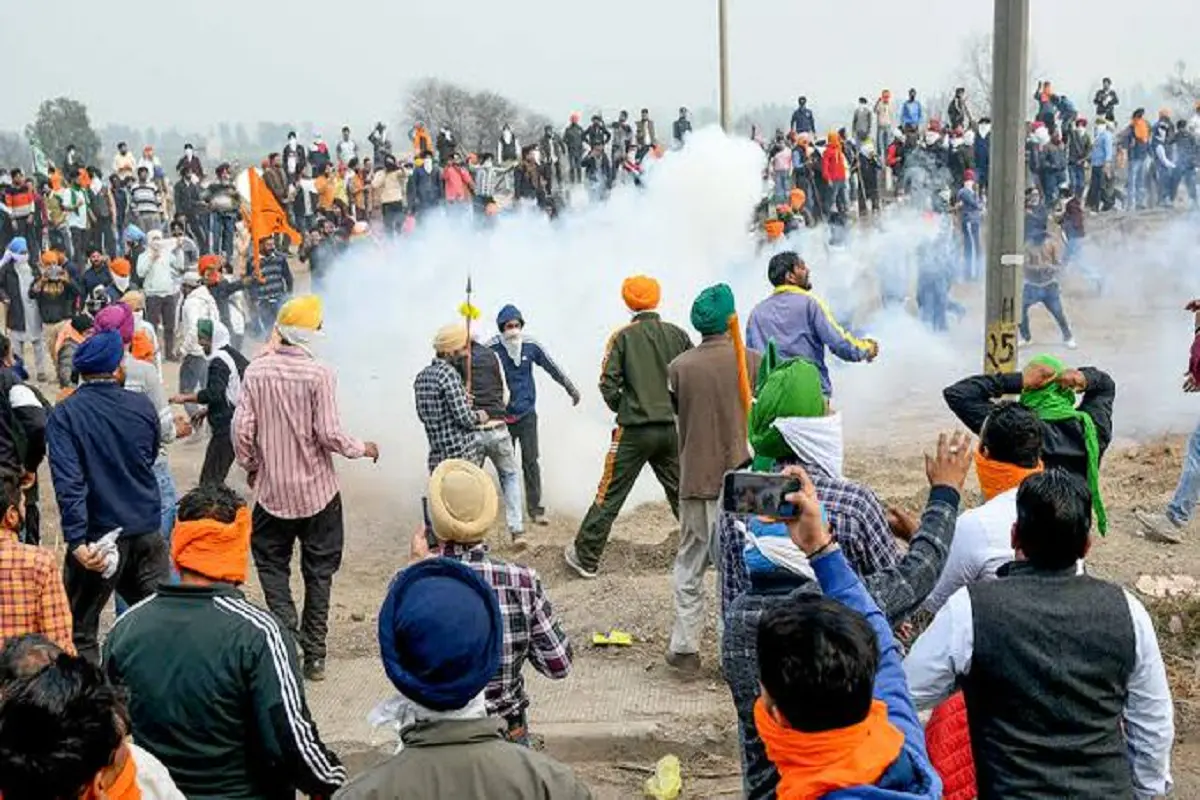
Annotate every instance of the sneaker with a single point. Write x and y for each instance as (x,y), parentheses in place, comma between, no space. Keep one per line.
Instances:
(519,542)
(684,662)
(314,669)
(538,518)
(572,559)
(1071,343)
(1159,527)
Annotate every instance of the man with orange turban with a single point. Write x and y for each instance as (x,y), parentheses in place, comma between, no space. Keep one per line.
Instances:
(633,383)
(195,691)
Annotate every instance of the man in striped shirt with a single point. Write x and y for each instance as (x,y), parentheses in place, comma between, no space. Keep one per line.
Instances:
(285,432)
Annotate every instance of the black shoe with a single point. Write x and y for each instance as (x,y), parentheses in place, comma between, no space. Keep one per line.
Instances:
(314,669)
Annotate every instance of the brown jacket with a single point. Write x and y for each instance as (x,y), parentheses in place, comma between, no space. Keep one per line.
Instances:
(464,760)
(712,425)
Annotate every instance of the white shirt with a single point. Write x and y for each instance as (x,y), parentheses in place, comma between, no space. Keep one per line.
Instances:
(77,216)
(198,305)
(346,150)
(943,652)
(982,544)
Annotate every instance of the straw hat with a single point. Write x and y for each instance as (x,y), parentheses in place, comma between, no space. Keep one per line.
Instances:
(462,502)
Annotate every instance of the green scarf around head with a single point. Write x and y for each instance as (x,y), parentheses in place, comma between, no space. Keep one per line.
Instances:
(788,389)
(1054,403)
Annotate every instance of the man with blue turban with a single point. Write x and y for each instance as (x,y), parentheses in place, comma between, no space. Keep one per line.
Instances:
(441,636)
(103,441)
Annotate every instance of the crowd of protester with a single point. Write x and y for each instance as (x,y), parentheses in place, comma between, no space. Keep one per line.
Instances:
(1027,655)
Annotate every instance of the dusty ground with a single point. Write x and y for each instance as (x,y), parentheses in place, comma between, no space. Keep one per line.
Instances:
(634,592)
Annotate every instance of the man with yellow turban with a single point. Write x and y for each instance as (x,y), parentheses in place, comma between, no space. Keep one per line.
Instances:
(633,383)
(190,699)
(285,432)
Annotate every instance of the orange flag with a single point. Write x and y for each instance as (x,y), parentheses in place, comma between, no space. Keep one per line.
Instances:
(266,217)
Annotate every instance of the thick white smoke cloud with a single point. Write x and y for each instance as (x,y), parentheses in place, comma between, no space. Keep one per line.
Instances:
(689,228)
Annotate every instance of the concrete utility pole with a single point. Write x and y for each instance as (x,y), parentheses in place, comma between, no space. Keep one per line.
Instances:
(1006,184)
(723,57)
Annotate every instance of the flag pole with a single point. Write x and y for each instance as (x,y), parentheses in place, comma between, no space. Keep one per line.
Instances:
(468,313)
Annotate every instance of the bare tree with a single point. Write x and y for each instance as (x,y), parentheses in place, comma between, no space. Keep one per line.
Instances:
(475,117)
(1181,87)
(975,74)
(14,152)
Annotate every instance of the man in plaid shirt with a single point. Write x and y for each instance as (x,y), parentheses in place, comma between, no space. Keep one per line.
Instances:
(32,596)
(462,508)
(442,403)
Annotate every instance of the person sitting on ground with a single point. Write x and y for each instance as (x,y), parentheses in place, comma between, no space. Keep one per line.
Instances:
(32,598)
(223,387)
(835,715)
(779,571)
(462,506)
(223,706)
(64,731)
(791,422)
(1076,430)
(1010,450)
(441,636)
(1049,656)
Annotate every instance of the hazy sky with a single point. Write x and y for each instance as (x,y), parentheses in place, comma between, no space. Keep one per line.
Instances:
(194,64)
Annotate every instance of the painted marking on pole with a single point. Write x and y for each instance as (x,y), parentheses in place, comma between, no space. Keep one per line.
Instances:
(1001,347)
(1012,260)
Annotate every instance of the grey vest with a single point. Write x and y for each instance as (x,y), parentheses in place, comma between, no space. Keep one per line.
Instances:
(1049,673)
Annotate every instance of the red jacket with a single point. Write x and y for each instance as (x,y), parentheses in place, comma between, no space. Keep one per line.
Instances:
(833,162)
(948,740)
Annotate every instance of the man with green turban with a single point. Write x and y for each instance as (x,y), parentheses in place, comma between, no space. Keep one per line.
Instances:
(712,440)
(1074,405)
(792,423)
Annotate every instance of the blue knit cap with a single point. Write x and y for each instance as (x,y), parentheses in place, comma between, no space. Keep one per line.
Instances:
(509,313)
(440,633)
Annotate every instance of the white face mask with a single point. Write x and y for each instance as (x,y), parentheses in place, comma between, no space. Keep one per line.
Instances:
(968,184)
(187,151)
(985,129)
(429,165)
(512,334)
(931,137)
(537,157)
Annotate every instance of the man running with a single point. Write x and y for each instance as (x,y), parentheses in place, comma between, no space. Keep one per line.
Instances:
(633,382)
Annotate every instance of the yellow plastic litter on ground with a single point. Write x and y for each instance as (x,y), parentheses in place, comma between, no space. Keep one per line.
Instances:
(667,782)
(613,638)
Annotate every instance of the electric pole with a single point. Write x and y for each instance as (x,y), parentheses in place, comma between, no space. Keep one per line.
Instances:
(1006,184)
(723,57)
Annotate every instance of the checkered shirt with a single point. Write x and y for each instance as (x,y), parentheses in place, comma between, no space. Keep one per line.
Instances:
(531,631)
(856,518)
(32,597)
(444,410)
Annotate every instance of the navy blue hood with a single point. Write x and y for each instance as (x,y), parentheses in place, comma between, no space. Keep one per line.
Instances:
(507,315)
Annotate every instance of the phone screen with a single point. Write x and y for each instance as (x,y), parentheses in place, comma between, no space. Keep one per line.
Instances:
(760,494)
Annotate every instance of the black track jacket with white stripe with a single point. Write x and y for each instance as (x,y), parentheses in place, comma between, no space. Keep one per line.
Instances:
(216,695)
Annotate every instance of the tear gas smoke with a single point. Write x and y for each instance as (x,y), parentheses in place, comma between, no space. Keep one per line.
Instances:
(689,227)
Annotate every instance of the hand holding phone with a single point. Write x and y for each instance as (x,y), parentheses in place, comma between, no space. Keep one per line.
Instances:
(760,494)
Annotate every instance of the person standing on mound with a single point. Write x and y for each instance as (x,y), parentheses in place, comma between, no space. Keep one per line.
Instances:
(633,383)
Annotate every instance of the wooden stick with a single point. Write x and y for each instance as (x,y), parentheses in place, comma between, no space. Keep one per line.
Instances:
(743,373)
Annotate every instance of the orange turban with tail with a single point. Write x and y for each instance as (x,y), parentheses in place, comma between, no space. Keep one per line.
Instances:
(120,267)
(641,293)
(219,551)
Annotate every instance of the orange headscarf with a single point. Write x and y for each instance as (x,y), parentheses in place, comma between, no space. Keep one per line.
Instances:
(641,293)
(209,268)
(774,229)
(124,785)
(216,550)
(120,267)
(797,198)
(814,764)
(142,346)
(997,477)
(51,257)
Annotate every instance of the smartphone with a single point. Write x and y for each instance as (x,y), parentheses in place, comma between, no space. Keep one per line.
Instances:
(430,538)
(760,494)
